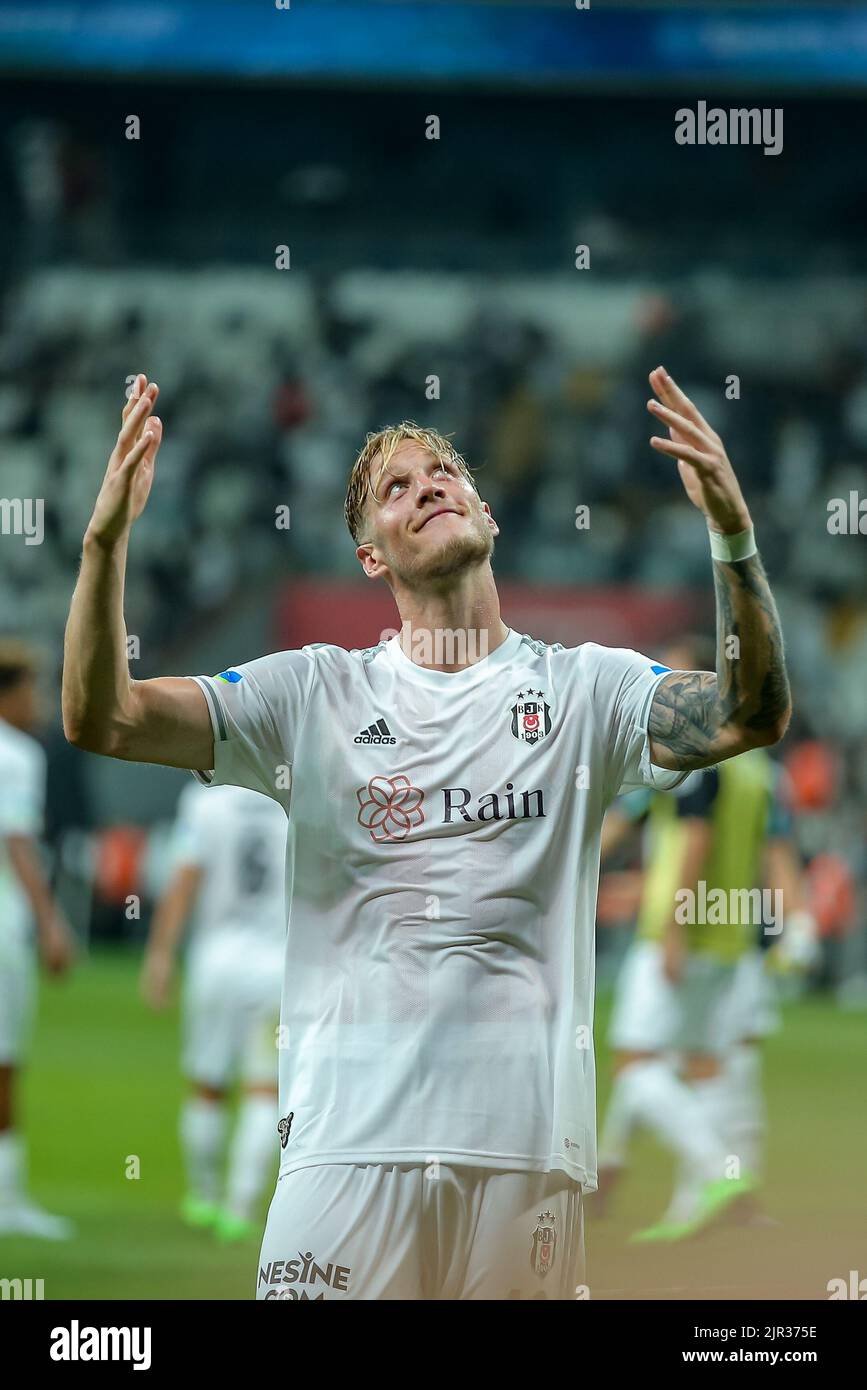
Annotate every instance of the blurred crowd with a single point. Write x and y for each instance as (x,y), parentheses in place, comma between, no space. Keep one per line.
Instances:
(270,378)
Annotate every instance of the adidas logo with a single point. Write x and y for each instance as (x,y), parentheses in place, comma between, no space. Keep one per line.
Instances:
(376,733)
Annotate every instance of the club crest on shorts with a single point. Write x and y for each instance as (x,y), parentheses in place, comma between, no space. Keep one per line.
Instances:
(531,717)
(544,1244)
(284,1127)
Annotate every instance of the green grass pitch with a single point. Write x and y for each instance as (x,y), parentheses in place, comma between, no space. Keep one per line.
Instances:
(103,1085)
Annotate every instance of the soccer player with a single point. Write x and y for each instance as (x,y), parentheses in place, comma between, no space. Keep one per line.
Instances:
(753,1015)
(690,997)
(230,858)
(446,790)
(675,987)
(26,905)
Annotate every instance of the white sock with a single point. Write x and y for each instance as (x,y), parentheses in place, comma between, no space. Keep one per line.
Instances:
(745,1116)
(253,1154)
(12,1167)
(202,1132)
(709,1103)
(655,1096)
(618,1124)
(687,1191)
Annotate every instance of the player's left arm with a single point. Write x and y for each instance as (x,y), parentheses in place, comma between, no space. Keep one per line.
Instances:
(699,718)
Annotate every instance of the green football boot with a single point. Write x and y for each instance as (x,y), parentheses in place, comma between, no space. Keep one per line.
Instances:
(715,1198)
(197,1212)
(230,1230)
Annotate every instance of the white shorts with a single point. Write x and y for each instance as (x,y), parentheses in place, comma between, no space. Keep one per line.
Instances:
(231,1008)
(753,1011)
(17,1000)
(652,1015)
(404,1231)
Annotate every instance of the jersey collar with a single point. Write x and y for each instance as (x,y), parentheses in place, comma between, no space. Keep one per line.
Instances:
(506,653)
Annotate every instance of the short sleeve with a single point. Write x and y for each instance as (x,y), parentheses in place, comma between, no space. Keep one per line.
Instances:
(22,792)
(256,714)
(626,682)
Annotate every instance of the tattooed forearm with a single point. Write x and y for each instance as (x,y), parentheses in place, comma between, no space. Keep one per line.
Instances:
(685,718)
(698,718)
(751,667)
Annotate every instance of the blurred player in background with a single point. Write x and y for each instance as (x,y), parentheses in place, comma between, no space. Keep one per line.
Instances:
(753,1013)
(26,905)
(229,860)
(692,999)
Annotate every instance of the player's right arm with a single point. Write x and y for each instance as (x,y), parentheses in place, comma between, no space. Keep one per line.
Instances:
(167,926)
(616,829)
(53,935)
(694,851)
(622,820)
(799,947)
(104,710)
(693,808)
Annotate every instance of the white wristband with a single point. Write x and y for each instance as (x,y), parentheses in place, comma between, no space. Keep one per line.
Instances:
(737,547)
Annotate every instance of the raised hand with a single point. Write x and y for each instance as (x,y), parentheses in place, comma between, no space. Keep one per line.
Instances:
(698,719)
(130,472)
(702,462)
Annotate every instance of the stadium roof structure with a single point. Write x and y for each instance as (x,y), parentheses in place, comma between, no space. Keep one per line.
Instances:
(518,42)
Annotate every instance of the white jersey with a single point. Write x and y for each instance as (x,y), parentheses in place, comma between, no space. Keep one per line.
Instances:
(22,806)
(239,841)
(438,993)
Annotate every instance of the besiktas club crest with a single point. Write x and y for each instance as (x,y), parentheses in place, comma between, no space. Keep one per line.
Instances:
(544,1244)
(531,717)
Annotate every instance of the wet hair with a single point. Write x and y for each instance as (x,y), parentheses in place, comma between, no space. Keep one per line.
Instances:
(383,443)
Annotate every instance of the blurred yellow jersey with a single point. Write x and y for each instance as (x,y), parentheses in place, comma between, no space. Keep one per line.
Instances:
(723,911)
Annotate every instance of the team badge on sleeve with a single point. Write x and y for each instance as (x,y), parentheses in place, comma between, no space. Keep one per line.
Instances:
(230,677)
(531,717)
(544,1244)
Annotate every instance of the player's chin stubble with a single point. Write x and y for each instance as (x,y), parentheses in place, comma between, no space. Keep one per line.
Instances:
(454,554)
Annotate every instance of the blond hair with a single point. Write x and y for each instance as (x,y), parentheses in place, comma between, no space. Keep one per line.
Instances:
(384,443)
